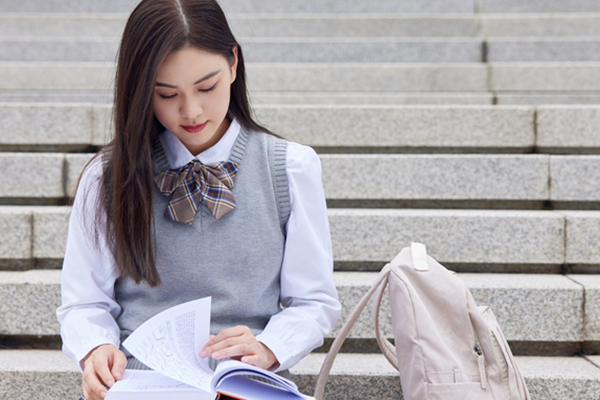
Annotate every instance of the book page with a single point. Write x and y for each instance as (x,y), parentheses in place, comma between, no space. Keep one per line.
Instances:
(151,385)
(170,343)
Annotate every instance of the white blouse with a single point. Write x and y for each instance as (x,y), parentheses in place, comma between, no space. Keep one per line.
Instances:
(308,294)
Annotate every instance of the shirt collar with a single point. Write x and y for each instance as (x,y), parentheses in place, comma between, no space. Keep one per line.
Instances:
(178,155)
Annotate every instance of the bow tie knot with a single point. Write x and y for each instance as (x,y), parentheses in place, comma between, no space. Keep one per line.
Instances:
(196,183)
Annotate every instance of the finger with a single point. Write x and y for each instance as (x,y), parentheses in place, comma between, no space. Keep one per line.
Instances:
(119,365)
(252,360)
(103,371)
(234,331)
(226,338)
(92,387)
(209,342)
(247,340)
(234,350)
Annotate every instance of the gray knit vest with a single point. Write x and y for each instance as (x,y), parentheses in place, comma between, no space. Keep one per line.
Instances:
(236,260)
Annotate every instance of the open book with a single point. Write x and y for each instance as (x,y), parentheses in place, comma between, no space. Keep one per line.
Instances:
(170,342)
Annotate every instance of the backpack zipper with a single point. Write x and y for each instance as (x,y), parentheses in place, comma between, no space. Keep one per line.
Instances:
(481,363)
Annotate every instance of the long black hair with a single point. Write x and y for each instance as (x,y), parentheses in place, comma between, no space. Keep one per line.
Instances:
(155,29)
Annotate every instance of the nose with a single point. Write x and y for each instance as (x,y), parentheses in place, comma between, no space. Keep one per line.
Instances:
(190,109)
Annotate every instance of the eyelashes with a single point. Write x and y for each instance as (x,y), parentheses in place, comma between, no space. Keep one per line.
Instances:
(210,89)
(166,97)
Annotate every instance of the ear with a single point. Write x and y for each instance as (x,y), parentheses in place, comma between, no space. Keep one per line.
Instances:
(234,63)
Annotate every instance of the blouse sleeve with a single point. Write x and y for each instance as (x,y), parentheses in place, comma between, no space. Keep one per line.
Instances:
(88,311)
(308,294)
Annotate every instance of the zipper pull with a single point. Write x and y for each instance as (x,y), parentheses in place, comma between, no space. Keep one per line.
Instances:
(481,363)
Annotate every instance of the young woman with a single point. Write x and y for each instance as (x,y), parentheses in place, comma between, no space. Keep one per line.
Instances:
(194,198)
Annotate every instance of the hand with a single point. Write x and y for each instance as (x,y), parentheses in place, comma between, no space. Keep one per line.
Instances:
(239,343)
(103,366)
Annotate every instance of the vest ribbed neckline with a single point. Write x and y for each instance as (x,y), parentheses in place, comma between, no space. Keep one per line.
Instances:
(161,161)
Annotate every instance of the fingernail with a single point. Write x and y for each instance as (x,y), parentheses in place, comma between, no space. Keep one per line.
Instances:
(202,354)
(118,375)
(215,356)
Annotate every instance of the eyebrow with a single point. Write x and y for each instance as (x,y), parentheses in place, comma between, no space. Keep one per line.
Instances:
(205,77)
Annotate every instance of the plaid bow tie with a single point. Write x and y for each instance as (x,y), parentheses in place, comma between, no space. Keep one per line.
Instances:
(195,183)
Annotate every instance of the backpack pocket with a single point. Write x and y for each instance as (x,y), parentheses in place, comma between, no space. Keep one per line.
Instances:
(512,381)
(457,391)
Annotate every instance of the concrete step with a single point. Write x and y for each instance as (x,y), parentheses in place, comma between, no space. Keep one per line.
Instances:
(336,77)
(252,6)
(545,77)
(546,49)
(337,98)
(303,25)
(563,127)
(289,50)
(77,126)
(367,177)
(531,308)
(468,240)
(537,6)
(353,376)
(360,376)
(306,77)
(585,24)
(372,180)
(533,98)
(279,98)
(67,127)
(254,25)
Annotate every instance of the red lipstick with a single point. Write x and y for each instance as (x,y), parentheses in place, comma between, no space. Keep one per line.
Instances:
(194,128)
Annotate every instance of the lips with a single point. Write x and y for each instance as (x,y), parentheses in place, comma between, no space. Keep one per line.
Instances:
(194,128)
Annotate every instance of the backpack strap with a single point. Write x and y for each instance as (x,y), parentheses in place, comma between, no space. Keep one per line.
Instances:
(388,349)
(379,284)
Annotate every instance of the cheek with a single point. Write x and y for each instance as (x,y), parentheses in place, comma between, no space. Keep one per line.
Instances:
(161,112)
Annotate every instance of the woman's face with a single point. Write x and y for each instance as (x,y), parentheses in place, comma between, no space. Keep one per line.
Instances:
(191,96)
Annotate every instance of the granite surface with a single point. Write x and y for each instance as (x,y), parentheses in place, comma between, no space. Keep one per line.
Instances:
(362,50)
(253,25)
(382,77)
(16,233)
(575,178)
(582,237)
(539,25)
(543,50)
(537,6)
(373,98)
(29,302)
(352,25)
(32,175)
(547,77)
(55,124)
(436,177)
(56,76)
(591,322)
(458,236)
(50,227)
(75,163)
(38,374)
(400,126)
(571,127)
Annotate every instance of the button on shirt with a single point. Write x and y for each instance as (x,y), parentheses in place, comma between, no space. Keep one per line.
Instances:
(308,295)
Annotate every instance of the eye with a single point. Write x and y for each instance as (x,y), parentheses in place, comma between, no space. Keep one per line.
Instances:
(162,96)
(210,89)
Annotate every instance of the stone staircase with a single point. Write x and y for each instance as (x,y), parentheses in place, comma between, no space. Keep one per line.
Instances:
(472,126)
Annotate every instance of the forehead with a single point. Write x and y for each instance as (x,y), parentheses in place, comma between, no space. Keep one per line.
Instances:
(188,64)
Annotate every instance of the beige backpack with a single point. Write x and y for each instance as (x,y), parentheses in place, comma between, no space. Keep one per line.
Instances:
(447,348)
